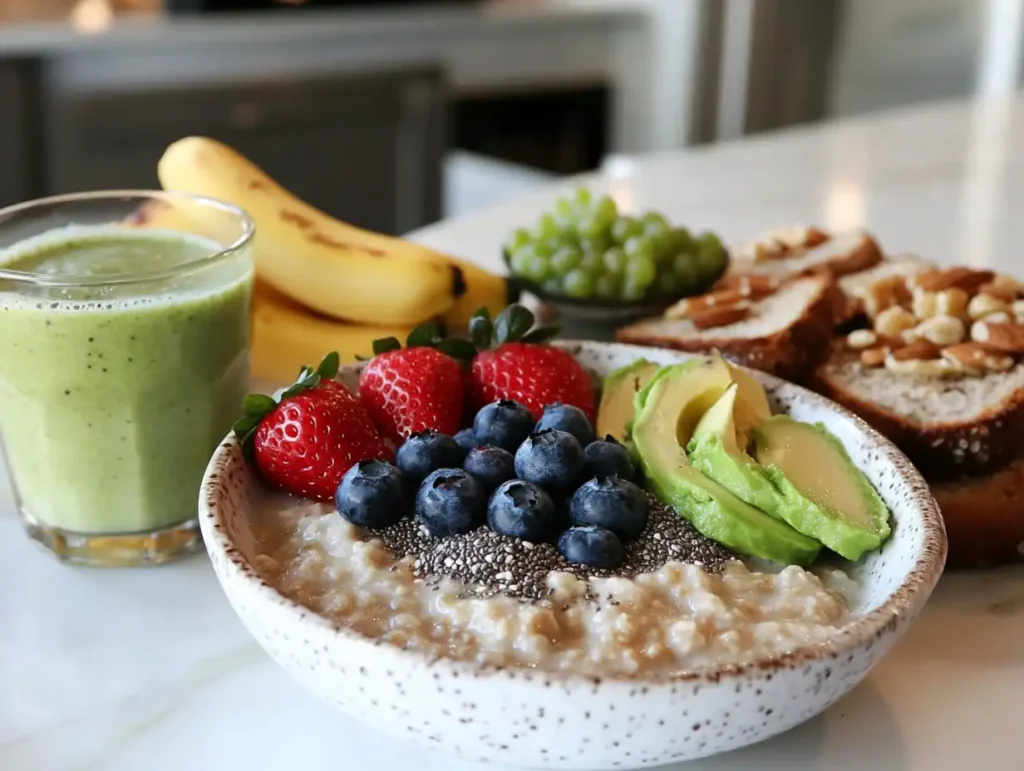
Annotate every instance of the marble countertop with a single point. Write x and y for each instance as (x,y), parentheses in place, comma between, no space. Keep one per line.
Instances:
(151,671)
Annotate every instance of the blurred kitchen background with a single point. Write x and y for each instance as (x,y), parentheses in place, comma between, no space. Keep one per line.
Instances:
(395,113)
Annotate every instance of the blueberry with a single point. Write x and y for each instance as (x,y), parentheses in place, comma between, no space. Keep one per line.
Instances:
(607,458)
(451,501)
(372,494)
(592,546)
(611,503)
(504,424)
(550,458)
(427,450)
(466,439)
(521,510)
(491,465)
(565,417)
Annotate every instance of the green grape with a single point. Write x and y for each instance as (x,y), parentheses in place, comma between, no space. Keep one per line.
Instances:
(519,259)
(615,261)
(545,248)
(640,248)
(520,237)
(592,264)
(710,256)
(606,210)
(598,245)
(554,286)
(607,286)
(663,251)
(593,228)
(537,268)
(631,290)
(581,198)
(654,220)
(687,270)
(565,210)
(547,226)
(565,259)
(641,271)
(680,239)
(579,284)
(625,228)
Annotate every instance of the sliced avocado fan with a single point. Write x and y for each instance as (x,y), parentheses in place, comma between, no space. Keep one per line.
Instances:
(805,460)
(667,411)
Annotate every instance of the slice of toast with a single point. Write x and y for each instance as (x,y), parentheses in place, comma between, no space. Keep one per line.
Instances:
(983,516)
(843,253)
(786,333)
(947,427)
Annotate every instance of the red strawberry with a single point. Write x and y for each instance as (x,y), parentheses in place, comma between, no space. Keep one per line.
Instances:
(521,368)
(412,389)
(306,442)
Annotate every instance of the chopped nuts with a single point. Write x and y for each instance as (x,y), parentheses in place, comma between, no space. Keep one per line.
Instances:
(885,293)
(919,349)
(942,330)
(720,315)
(861,338)
(1000,292)
(959,277)
(951,302)
(972,357)
(922,367)
(1018,309)
(999,317)
(1003,338)
(874,357)
(982,305)
(892,321)
(924,304)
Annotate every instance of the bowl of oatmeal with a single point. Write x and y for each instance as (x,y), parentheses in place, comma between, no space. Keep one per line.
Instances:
(498,649)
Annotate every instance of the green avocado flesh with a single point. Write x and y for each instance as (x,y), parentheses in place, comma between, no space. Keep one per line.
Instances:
(615,413)
(667,411)
(805,462)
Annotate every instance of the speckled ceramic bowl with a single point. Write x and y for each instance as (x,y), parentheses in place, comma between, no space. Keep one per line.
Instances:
(545,720)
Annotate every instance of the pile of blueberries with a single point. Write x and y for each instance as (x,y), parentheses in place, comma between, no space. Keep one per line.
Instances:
(545,481)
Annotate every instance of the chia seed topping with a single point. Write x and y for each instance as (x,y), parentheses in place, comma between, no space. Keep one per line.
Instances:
(490,563)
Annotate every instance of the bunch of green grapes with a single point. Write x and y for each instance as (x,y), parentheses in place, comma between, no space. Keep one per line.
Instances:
(586,249)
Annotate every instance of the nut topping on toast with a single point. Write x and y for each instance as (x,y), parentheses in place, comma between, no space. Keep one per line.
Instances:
(921,350)
(720,315)
(1001,338)
(968,279)
(778,244)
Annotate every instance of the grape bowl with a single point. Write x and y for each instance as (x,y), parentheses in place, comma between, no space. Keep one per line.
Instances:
(593,263)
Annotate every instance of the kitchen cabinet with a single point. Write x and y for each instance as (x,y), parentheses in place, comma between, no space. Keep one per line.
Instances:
(365,147)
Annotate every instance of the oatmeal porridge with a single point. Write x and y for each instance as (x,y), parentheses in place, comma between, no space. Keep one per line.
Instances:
(677,602)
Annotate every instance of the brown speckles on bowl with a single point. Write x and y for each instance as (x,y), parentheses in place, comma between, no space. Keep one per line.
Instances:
(533,718)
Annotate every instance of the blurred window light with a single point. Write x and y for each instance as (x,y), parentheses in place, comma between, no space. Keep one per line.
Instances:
(92,16)
(845,205)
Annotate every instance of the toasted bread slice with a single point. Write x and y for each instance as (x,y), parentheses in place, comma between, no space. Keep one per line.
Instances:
(841,254)
(855,286)
(969,425)
(984,518)
(786,333)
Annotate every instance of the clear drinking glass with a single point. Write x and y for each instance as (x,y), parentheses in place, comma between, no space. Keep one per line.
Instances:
(124,356)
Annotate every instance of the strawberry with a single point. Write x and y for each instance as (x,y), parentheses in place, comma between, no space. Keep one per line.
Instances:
(415,388)
(521,368)
(305,442)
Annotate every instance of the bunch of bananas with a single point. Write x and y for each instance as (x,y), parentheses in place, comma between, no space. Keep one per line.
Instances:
(323,284)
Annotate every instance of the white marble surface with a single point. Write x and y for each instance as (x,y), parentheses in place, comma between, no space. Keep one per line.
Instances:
(150,671)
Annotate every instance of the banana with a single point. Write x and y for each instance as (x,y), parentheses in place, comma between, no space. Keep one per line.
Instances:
(482,289)
(286,336)
(322,263)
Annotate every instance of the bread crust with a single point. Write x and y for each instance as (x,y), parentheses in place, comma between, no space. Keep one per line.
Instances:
(866,254)
(951,448)
(984,517)
(792,353)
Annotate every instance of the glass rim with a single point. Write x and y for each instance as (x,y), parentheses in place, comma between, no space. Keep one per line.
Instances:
(248,230)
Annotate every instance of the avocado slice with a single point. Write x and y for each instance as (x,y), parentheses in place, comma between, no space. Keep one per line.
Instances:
(849,516)
(668,410)
(615,412)
(716,452)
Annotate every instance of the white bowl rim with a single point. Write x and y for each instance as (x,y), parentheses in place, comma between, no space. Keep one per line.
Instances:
(863,630)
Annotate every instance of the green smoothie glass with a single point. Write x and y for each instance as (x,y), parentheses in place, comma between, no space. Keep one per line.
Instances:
(124,356)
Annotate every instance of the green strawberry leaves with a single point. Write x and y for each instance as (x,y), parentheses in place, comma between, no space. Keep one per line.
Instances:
(255,407)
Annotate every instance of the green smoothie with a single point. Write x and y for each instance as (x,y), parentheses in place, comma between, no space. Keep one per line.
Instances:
(113,395)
